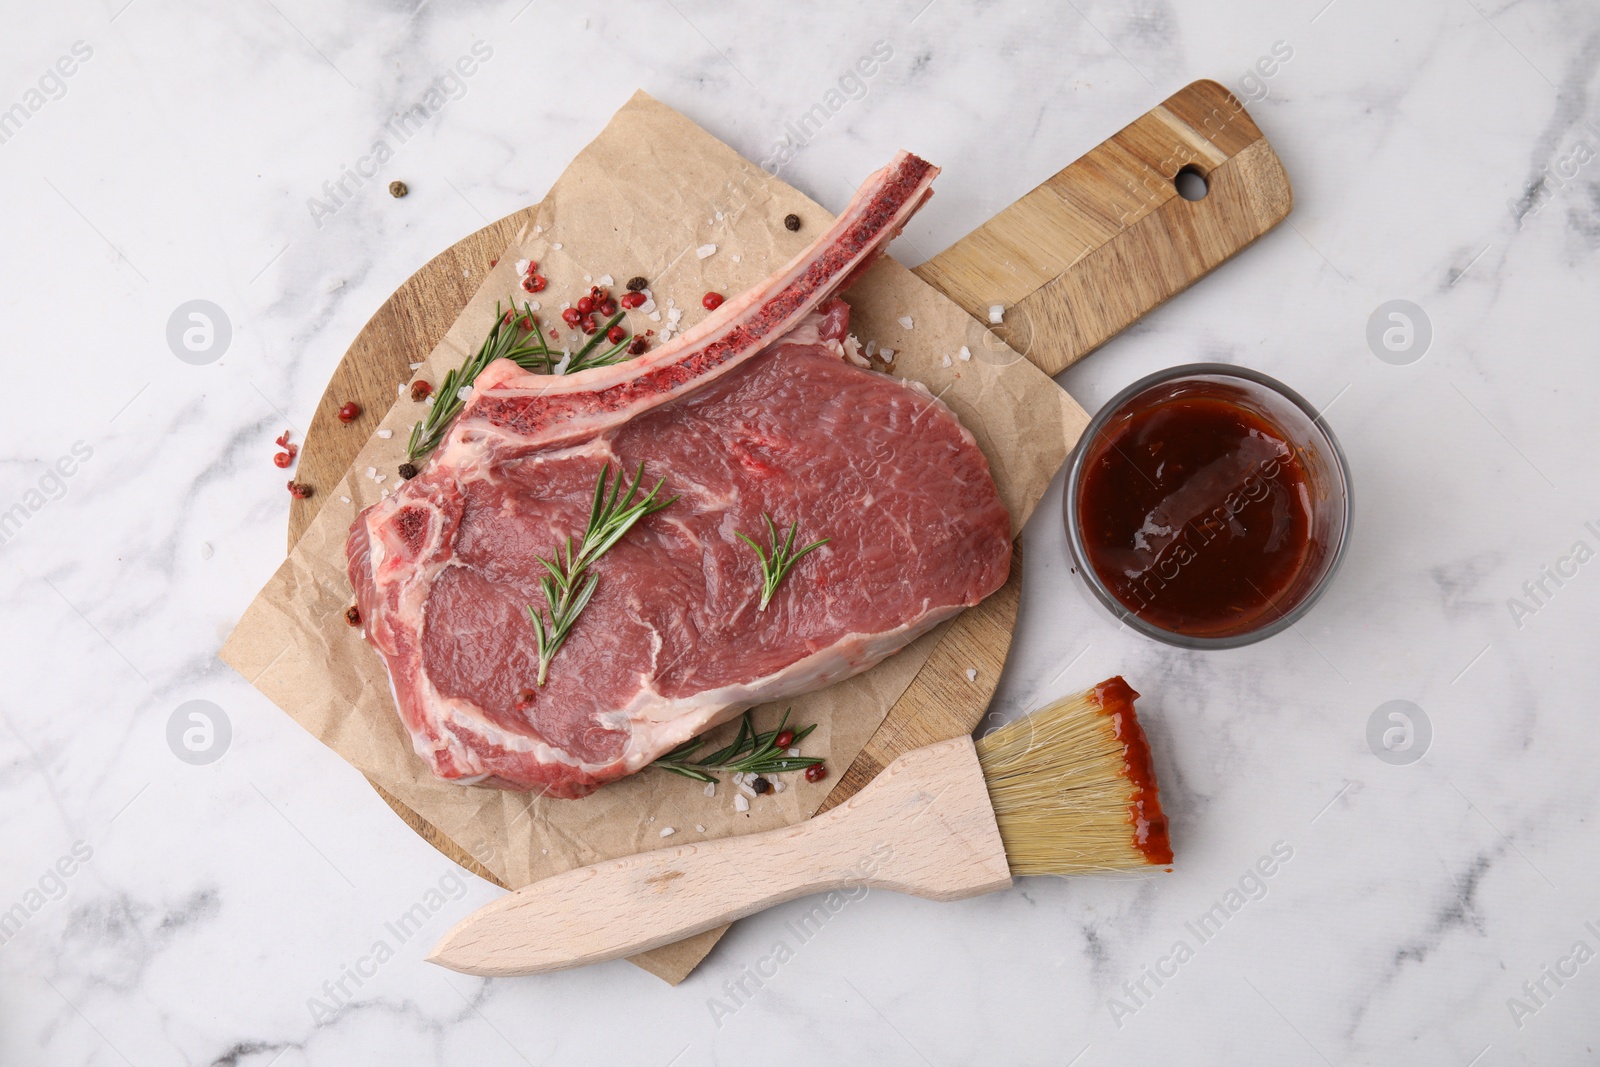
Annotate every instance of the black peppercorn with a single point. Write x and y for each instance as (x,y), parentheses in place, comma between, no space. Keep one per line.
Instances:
(408,471)
(636,283)
(761,785)
(791,222)
(398,189)
(352,615)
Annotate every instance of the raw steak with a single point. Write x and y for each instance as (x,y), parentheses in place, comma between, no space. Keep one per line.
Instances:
(754,411)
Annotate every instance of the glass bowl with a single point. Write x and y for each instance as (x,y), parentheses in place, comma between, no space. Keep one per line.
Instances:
(1321,490)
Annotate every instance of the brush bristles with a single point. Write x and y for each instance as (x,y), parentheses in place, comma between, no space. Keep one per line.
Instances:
(1072,787)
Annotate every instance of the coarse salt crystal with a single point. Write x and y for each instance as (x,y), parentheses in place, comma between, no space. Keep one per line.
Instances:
(741,802)
(905,322)
(463,393)
(777,787)
(606,279)
(385,434)
(705,250)
(965,353)
(699,828)
(744,787)
(588,277)
(206,550)
(379,479)
(872,346)
(667,831)
(416,366)
(655,316)
(538,229)
(674,314)
(997,314)
(372,472)
(793,751)
(886,354)
(945,360)
(711,789)
(428,401)
(522,266)
(534,304)
(345,499)
(556,247)
(736,257)
(719,216)
(972,674)
(399,389)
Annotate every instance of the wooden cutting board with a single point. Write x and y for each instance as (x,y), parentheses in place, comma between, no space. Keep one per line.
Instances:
(1073,263)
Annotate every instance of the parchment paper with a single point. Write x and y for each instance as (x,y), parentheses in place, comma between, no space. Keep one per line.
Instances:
(641,199)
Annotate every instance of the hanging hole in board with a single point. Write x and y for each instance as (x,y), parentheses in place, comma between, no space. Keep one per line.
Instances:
(1190,183)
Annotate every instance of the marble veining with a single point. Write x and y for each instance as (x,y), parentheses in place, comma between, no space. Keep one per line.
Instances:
(265,908)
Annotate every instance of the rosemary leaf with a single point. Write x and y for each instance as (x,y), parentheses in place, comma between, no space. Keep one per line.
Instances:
(516,336)
(777,560)
(568,586)
(749,753)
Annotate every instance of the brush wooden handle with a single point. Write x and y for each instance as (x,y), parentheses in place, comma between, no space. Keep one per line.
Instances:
(924,826)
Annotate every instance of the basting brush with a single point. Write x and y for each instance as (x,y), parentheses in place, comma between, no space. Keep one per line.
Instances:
(1068,789)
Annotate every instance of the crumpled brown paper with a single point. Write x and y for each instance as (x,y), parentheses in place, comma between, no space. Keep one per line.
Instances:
(642,199)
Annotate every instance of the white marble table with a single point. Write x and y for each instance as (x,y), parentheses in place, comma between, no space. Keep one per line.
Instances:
(227,913)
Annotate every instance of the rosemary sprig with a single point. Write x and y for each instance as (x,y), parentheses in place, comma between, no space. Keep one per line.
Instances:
(778,560)
(516,336)
(569,585)
(750,753)
(587,357)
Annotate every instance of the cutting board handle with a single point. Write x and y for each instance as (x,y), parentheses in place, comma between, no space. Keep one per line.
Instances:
(1109,238)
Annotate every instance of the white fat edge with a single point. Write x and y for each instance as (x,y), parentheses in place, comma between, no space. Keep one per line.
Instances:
(850,350)
(660,725)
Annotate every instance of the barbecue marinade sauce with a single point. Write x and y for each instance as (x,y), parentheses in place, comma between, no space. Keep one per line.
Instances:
(1196,514)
